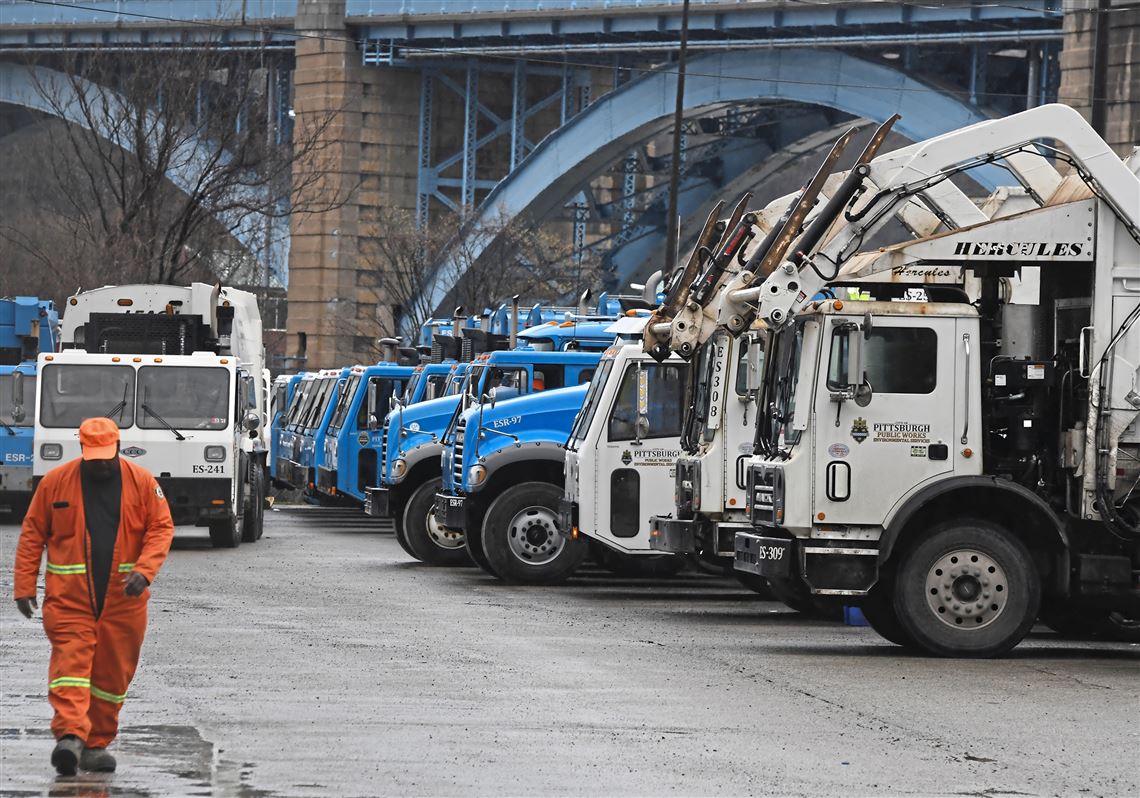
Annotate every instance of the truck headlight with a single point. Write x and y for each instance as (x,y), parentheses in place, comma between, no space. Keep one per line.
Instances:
(51,451)
(215,454)
(476,474)
(399,468)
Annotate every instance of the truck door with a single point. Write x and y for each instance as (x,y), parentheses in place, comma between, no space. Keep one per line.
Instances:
(364,444)
(638,450)
(868,457)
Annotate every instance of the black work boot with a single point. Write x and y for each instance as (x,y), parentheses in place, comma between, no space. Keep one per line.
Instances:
(97,760)
(65,757)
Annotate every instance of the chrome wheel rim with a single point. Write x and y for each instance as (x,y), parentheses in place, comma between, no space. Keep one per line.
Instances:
(966,589)
(533,536)
(442,536)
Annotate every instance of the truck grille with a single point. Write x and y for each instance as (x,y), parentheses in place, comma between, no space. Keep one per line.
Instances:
(381,455)
(457,455)
(766,494)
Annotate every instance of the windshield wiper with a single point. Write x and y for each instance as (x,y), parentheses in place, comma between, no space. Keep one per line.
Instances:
(7,426)
(146,409)
(117,410)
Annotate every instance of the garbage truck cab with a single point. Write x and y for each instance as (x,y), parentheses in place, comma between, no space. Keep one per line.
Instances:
(414,436)
(284,389)
(28,326)
(348,462)
(180,370)
(493,444)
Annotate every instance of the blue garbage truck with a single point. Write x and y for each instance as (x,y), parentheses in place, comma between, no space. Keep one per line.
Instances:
(28,326)
(413,436)
(346,463)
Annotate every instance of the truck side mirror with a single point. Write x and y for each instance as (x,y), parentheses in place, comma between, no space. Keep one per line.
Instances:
(373,401)
(642,427)
(251,420)
(754,361)
(857,383)
(18,413)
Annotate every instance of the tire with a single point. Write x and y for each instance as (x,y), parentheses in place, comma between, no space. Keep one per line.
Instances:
(254,527)
(879,610)
(521,538)
(473,542)
(401,538)
(227,533)
(986,590)
(795,594)
(644,566)
(431,543)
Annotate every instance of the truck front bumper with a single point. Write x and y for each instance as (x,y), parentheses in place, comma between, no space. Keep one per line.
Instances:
(673,535)
(768,557)
(326,480)
(452,511)
(196,501)
(377,502)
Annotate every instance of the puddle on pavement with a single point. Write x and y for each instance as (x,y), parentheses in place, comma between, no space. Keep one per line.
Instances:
(153,761)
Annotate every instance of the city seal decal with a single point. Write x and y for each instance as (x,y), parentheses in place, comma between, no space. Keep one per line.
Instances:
(134,451)
(362,439)
(626,457)
(839,450)
(859,429)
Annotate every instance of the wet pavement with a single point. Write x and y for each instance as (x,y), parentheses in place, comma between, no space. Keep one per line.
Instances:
(321,661)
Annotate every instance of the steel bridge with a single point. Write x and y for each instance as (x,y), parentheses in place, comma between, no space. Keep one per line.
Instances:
(563,102)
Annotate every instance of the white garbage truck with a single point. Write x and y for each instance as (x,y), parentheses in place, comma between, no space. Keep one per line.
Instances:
(956,468)
(181,371)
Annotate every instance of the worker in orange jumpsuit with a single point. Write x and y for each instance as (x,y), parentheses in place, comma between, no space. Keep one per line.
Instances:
(107,529)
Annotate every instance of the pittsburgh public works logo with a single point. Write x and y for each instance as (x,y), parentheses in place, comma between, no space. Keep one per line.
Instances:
(362,439)
(134,451)
(859,429)
(626,457)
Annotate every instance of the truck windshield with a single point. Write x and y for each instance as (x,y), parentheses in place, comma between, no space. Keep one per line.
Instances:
(318,404)
(590,404)
(410,390)
(71,393)
(300,401)
(187,397)
(347,393)
(27,401)
(778,395)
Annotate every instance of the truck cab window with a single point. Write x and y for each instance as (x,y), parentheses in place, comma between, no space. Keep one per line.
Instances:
(895,360)
(72,393)
(665,387)
(188,397)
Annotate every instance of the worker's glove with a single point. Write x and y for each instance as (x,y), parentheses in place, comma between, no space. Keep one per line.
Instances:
(26,605)
(136,584)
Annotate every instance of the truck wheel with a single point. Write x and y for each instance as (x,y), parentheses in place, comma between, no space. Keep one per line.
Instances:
(254,526)
(473,542)
(795,594)
(227,533)
(879,610)
(432,543)
(968,589)
(522,540)
(402,538)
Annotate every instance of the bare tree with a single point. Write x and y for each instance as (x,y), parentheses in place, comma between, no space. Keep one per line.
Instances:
(174,163)
(478,265)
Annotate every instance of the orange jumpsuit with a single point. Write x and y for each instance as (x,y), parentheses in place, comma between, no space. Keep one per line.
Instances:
(92,658)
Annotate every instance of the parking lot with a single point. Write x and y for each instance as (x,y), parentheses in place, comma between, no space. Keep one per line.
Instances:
(323,661)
